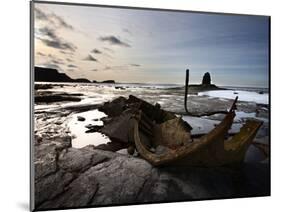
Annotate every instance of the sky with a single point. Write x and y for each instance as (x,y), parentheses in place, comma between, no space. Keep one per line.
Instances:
(149,46)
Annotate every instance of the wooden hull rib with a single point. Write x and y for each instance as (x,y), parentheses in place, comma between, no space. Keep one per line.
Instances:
(210,150)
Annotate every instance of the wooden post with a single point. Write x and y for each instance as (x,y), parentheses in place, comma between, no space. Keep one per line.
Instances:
(186,90)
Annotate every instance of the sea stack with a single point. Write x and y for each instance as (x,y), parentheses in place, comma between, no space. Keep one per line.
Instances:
(206,79)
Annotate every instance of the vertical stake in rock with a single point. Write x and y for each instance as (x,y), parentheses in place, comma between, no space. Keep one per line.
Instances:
(186,90)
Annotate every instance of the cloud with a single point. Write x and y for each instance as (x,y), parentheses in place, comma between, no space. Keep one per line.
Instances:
(54,62)
(113,41)
(96,51)
(121,67)
(71,69)
(53,19)
(71,66)
(41,54)
(136,65)
(107,68)
(68,53)
(58,44)
(40,15)
(49,38)
(61,21)
(127,31)
(108,49)
(69,60)
(46,31)
(108,52)
(90,58)
(117,68)
(57,61)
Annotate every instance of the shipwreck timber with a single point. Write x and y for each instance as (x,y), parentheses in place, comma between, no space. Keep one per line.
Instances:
(212,149)
(162,138)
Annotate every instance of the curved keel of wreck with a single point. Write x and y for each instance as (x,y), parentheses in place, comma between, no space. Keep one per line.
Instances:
(212,149)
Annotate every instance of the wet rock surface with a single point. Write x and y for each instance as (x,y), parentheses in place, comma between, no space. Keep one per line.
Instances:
(90,177)
(80,118)
(49,97)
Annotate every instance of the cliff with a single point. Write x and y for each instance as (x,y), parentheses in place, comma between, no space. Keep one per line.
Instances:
(42,74)
(50,75)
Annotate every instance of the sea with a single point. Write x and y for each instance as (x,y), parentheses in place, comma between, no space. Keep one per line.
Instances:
(169,96)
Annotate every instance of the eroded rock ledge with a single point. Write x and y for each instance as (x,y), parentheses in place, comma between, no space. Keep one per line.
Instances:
(69,177)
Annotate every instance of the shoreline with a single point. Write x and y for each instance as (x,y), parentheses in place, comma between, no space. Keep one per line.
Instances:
(151,83)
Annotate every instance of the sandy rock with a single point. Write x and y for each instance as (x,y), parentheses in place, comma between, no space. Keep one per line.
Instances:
(78,194)
(45,160)
(108,178)
(125,179)
(77,160)
(49,187)
(49,97)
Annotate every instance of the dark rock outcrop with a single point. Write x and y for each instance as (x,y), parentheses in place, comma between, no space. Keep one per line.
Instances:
(80,118)
(43,86)
(204,86)
(42,74)
(115,107)
(83,80)
(108,81)
(206,79)
(195,89)
(120,87)
(88,177)
(50,75)
(49,97)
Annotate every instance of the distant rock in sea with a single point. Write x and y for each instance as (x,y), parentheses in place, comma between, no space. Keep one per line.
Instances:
(82,80)
(80,118)
(204,86)
(108,81)
(105,81)
(206,79)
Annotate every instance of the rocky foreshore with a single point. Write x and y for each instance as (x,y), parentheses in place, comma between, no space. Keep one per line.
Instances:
(90,177)
(83,177)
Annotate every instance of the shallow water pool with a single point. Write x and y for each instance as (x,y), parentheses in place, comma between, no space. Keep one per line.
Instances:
(78,129)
